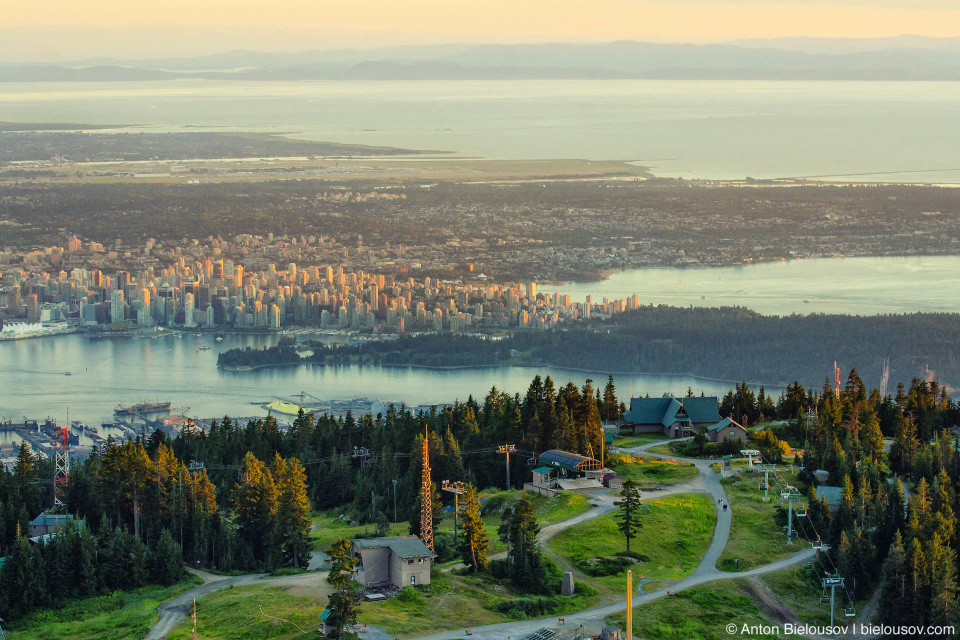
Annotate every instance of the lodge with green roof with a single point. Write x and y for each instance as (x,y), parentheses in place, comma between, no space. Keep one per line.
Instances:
(674,417)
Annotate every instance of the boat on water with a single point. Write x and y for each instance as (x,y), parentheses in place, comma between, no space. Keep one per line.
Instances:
(67,373)
(204,348)
(143,407)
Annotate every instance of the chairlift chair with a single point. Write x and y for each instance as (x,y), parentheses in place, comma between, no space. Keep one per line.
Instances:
(801,513)
(808,566)
(824,598)
(849,612)
(817,544)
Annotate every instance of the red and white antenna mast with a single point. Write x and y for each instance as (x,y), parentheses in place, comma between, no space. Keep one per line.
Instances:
(61,473)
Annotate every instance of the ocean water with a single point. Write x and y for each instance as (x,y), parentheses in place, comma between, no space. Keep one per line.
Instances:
(856,131)
(855,286)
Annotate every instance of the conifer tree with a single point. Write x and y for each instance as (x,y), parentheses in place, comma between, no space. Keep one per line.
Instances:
(166,563)
(256,507)
(473,542)
(293,512)
(343,605)
(628,516)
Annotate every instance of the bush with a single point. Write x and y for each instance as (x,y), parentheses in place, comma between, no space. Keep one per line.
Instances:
(492,504)
(605,566)
(409,595)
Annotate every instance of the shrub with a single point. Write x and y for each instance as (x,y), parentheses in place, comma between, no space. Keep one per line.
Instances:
(605,566)
(408,594)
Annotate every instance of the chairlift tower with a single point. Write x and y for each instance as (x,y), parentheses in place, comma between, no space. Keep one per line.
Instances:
(456,488)
(750,454)
(832,580)
(789,496)
(507,449)
(767,468)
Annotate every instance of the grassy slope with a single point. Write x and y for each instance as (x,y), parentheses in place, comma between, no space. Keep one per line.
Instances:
(755,537)
(649,472)
(235,613)
(328,526)
(115,616)
(700,613)
(676,533)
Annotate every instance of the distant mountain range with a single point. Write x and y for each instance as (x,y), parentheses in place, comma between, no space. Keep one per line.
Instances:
(903,58)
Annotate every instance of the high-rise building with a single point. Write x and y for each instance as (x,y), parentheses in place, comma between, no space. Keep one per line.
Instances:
(188,311)
(532,290)
(117,307)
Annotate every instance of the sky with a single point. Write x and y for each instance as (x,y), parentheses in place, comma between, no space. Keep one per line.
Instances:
(66,29)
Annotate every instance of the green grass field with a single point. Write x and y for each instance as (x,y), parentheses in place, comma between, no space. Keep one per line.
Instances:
(700,613)
(631,440)
(676,533)
(452,601)
(649,472)
(327,527)
(254,612)
(665,449)
(800,590)
(115,616)
(755,537)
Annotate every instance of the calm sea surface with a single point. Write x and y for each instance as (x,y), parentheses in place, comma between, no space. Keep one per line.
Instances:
(892,131)
(109,372)
(856,286)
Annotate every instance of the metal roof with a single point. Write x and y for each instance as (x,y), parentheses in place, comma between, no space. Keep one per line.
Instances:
(403,546)
(543,470)
(726,422)
(50,519)
(833,495)
(569,461)
(699,410)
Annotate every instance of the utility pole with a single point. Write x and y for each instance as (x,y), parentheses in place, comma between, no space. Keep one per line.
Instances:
(394,501)
(507,449)
(456,488)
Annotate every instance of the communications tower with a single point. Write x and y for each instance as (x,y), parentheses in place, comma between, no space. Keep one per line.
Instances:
(885,378)
(836,374)
(426,493)
(61,469)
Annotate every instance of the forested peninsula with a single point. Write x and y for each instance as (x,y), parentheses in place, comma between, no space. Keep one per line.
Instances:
(730,343)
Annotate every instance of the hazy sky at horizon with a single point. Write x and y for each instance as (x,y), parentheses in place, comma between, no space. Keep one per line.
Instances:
(57,29)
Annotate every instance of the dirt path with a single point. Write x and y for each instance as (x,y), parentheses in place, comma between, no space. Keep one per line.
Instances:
(173,611)
(706,482)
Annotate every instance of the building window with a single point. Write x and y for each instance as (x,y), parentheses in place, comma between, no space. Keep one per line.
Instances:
(733,433)
(413,581)
(410,561)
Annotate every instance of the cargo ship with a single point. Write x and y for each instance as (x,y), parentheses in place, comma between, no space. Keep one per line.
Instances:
(141,408)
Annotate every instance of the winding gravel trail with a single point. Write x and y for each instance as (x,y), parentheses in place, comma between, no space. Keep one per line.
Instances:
(706,482)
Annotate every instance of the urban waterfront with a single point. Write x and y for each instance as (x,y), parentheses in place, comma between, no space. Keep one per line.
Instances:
(176,368)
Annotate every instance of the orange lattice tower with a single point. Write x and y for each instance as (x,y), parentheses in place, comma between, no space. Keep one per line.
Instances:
(426,494)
